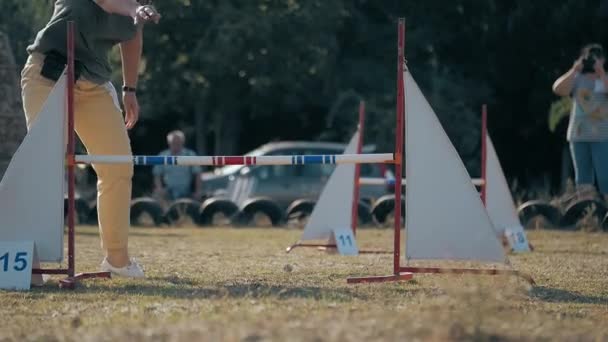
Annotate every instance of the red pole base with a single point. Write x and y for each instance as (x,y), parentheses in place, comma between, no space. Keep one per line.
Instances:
(403,276)
(71,282)
(324,247)
(309,245)
(439,270)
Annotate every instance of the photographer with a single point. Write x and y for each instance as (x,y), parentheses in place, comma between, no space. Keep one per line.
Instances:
(587,83)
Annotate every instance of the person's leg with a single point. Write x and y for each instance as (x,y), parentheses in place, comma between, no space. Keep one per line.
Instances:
(599,153)
(583,166)
(100,125)
(34,88)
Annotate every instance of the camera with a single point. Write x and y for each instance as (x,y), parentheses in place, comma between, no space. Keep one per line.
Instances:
(594,54)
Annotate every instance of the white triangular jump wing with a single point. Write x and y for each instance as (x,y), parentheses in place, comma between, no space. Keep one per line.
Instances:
(32,189)
(334,207)
(445,217)
(499,201)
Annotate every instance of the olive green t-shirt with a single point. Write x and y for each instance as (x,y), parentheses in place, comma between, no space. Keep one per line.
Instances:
(96,33)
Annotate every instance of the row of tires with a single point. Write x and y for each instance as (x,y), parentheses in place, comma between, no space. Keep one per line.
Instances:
(147,211)
(590,212)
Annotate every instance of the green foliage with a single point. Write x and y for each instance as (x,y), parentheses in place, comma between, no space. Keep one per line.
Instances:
(21,20)
(560,110)
(234,74)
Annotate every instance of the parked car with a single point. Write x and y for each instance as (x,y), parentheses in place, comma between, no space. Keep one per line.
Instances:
(279,191)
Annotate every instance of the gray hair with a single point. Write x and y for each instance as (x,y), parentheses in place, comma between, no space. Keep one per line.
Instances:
(175,134)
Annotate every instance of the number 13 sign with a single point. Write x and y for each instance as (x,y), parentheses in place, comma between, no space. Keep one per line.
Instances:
(16,265)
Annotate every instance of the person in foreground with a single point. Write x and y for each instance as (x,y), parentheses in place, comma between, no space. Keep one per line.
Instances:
(173,181)
(587,83)
(99,122)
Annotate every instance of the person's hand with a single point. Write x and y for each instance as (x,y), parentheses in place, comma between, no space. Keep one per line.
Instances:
(599,68)
(129,100)
(578,65)
(145,14)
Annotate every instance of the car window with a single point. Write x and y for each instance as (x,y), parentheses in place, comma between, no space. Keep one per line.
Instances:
(265,172)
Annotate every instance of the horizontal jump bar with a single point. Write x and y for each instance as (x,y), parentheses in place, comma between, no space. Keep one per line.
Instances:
(382,181)
(371,158)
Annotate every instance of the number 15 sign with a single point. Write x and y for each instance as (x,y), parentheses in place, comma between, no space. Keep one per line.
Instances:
(16,265)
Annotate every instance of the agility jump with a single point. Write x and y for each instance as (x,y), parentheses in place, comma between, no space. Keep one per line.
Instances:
(425,248)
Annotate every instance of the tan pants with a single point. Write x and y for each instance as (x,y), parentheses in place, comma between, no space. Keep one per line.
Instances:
(100,126)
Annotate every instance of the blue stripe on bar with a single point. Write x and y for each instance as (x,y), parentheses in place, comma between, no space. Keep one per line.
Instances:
(151,160)
(327,160)
(334,158)
(293,160)
(313,159)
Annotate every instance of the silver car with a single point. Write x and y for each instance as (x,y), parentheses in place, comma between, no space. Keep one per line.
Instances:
(281,191)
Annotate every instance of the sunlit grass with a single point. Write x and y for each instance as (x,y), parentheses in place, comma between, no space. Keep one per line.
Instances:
(238,284)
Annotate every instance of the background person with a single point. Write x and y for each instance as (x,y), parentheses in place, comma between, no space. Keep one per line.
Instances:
(173,181)
(99,121)
(586,82)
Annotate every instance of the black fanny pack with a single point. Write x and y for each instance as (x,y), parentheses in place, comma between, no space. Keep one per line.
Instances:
(53,66)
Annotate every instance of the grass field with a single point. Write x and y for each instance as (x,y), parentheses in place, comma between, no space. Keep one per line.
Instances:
(239,285)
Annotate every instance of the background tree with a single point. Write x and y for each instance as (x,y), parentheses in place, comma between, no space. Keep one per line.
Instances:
(238,73)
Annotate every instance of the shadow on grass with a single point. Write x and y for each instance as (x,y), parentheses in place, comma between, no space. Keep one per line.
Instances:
(566,252)
(552,295)
(134,232)
(184,288)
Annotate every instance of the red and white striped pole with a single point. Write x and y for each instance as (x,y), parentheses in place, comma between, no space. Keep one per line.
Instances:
(399,136)
(71,149)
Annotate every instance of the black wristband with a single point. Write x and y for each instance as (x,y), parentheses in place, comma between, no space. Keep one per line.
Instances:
(128,89)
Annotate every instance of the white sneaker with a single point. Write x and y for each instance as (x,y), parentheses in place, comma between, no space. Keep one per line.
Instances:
(132,270)
(39,279)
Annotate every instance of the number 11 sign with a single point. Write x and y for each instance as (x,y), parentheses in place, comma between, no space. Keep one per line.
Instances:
(16,264)
(345,241)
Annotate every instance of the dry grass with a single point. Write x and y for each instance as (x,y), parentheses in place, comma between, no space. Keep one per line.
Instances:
(239,285)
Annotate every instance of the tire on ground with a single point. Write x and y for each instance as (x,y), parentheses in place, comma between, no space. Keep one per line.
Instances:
(184,211)
(92,217)
(364,212)
(384,207)
(605,223)
(300,209)
(260,206)
(81,211)
(529,212)
(589,212)
(146,206)
(212,207)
